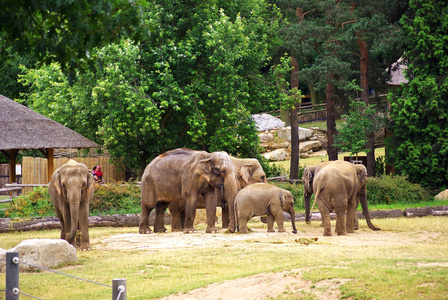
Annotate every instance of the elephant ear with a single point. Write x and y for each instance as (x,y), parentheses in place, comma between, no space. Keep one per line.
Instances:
(282,198)
(204,169)
(244,173)
(90,183)
(57,182)
(362,174)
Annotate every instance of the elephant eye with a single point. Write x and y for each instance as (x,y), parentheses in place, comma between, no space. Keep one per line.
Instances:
(262,178)
(216,171)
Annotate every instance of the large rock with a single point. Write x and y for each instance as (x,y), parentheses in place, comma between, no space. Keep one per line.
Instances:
(267,122)
(277,155)
(442,195)
(310,146)
(47,253)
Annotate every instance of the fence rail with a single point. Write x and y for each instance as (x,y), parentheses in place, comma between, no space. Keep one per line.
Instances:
(12,290)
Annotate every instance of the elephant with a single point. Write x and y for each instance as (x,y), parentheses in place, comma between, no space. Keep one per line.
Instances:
(71,189)
(264,199)
(341,186)
(247,171)
(185,174)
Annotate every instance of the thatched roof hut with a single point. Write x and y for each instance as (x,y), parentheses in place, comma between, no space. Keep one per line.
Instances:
(22,128)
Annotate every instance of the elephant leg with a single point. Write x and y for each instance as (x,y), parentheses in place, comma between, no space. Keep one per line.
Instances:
(144,219)
(351,216)
(175,212)
(190,213)
(340,207)
(242,224)
(84,225)
(210,208)
(325,214)
(160,213)
(270,220)
(278,216)
(356,222)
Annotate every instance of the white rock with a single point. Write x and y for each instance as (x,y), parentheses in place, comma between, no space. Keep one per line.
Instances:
(267,122)
(47,253)
(309,145)
(277,155)
(266,137)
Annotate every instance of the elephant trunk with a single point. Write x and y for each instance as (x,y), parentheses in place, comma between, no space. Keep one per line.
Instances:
(74,215)
(365,210)
(307,200)
(293,220)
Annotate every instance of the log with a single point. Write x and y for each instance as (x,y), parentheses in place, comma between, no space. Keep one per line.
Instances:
(426,211)
(29,224)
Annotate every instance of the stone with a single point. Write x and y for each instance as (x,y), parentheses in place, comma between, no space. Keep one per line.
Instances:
(267,122)
(442,195)
(266,137)
(306,146)
(47,253)
(277,155)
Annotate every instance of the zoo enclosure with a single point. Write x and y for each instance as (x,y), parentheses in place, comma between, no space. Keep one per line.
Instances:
(12,290)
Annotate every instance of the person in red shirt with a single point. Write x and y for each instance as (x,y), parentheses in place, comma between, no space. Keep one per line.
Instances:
(98,174)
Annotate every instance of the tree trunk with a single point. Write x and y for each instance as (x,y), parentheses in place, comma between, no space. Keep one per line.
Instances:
(364,71)
(294,164)
(331,122)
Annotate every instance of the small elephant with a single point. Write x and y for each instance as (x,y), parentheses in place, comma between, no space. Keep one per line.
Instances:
(71,190)
(185,175)
(247,171)
(260,199)
(341,186)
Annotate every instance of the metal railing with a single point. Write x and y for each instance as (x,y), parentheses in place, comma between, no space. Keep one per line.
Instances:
(12,290)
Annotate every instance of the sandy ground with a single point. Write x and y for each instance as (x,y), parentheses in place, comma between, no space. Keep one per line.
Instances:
(260,286)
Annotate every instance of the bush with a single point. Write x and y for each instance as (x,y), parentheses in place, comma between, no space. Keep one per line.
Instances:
(119,198)
(397,189)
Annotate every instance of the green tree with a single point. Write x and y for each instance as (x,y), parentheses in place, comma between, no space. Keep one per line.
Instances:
(66,31)
(191,83)
(419,112)
(353,134)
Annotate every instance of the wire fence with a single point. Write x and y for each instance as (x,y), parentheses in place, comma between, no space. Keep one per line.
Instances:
(12,290)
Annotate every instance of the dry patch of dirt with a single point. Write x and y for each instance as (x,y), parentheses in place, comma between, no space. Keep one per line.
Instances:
(260,286)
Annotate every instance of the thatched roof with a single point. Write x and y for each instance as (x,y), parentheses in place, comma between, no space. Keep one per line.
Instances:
(397,73)
(23,128)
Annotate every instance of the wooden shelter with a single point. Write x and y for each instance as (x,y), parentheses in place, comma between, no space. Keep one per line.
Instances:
(22,128)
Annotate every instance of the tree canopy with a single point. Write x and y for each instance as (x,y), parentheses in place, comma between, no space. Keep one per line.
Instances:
(191,83)
(418,147)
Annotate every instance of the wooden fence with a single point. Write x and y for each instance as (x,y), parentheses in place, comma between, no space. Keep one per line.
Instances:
(34,169)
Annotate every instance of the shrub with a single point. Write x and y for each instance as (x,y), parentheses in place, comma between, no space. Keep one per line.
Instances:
(397,189)
(118,198)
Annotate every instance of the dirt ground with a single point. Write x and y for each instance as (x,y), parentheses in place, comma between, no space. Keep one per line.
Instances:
(260,286)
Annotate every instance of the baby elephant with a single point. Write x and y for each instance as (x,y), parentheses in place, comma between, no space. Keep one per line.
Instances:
(260,199)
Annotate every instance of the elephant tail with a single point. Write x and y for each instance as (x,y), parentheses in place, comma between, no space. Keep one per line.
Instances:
(365,212)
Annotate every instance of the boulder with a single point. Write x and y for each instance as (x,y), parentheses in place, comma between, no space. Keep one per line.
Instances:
(47,253)
(442,195)
(267,122)
(305,147)
(277,155)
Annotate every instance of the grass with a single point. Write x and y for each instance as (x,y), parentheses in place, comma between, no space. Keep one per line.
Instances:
(408,270)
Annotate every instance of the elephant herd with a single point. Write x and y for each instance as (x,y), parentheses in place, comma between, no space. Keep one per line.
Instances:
(183,180)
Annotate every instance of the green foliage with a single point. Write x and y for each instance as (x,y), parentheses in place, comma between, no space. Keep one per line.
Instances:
(396,189)
(36,203)
(191,83)
(118,198)
(66,31)
(361,120)
(296,191)
(418,147)
(380,166)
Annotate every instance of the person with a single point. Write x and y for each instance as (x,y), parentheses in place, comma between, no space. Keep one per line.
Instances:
(98,174)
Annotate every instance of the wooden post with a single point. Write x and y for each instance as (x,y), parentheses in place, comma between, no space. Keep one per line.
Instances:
(12,165)
(50,163)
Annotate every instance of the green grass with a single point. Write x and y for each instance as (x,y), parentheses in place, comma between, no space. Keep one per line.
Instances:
(412,266)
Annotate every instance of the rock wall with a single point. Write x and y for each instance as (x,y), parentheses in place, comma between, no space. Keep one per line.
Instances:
(275,138)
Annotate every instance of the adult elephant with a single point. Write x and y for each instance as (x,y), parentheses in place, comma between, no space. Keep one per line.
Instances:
(340,186)
(264,199)
(247,171)
(71,190)
(307,178)
(184,174)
